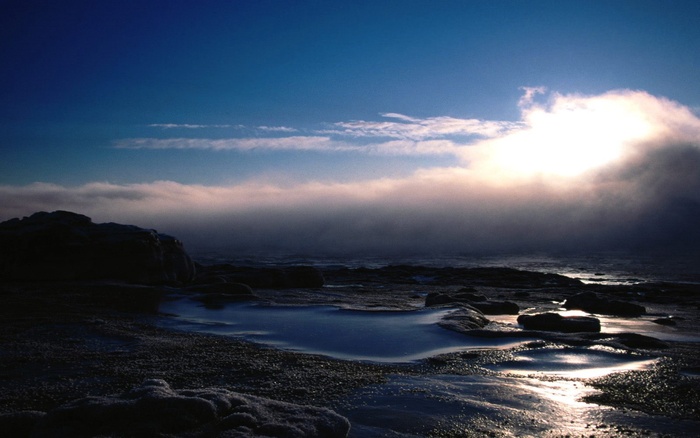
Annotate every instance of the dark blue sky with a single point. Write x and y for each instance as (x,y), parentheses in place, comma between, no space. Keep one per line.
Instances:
(76,76)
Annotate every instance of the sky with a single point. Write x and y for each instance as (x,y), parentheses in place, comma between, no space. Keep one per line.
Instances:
(363,127)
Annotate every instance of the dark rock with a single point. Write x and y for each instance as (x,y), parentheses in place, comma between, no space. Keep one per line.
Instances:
(464,319)
(19,424)
(472,277)
(486,307)
(265,278)
(470,297)
(665,321)
(634,340)
(304,276)
(154,409)
(497,307)
(557,323)
(119,296)
(592,303)
(237,289)
(436,299)
(68,246)
(218,301)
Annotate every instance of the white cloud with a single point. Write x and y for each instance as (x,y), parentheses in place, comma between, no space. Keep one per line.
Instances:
(295,143)
(420,129)
(306,143)
(189,126)
(277,128)
(529,94)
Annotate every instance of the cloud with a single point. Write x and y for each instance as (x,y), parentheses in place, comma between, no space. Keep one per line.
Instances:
(616,171)
(189,126)
(295,143)
(529,94)
(412,128)
(277,128)
(304,143)
(574,134)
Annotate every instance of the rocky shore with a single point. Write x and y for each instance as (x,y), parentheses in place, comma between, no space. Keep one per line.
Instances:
(90,356)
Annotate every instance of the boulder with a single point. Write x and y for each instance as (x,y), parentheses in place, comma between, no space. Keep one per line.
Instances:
(592,303)
(555,322)
(464,319)
(62,246)
(155,409)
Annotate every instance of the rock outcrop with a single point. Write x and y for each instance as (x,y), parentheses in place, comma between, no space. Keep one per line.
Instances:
(62,245)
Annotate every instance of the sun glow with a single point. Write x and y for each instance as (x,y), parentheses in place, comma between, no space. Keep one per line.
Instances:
(569,138)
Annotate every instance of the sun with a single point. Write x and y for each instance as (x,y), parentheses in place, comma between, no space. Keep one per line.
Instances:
(569,138)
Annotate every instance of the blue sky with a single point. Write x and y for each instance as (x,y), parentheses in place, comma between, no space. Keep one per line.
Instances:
(151,100)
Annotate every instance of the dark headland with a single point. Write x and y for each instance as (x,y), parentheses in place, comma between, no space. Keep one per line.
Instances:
(83,352)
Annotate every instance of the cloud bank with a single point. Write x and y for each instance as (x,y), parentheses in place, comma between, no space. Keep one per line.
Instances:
(617,171)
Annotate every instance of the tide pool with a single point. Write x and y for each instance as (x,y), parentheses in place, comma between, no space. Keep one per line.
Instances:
(377,336)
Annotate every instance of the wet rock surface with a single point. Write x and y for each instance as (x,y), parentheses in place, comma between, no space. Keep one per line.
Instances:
(61,342)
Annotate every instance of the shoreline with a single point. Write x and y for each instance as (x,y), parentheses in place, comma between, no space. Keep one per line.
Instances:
(60,346)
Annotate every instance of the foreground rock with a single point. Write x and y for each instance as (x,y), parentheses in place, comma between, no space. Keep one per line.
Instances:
(557,323)
(62,246)
(154,408)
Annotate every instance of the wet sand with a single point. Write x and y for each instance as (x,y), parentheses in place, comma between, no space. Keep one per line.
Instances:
(60,343)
